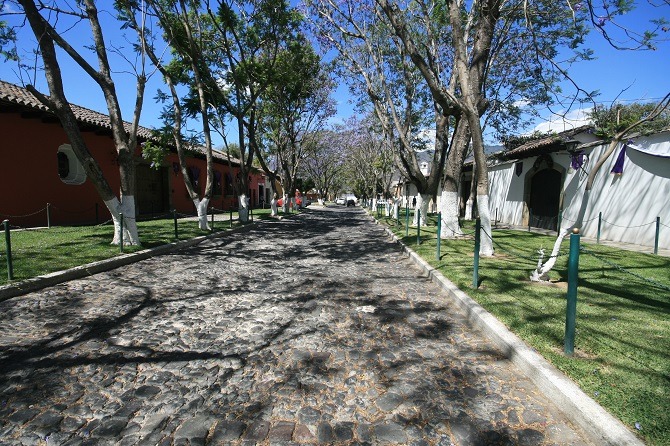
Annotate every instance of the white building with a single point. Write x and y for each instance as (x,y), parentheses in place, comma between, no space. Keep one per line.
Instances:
(537,184)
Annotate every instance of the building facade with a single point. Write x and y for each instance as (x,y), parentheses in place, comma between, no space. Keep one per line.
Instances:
(42,183)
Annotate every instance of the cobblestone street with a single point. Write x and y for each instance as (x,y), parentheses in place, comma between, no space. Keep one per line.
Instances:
(312,329)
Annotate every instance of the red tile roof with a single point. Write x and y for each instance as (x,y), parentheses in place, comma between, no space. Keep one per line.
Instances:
(549,144)
(24,99)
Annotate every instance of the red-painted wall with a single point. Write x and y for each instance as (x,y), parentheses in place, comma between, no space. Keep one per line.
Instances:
(29,178)
(29,175)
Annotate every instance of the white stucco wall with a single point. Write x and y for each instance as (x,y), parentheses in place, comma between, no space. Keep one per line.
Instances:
(629,202)
(506,193)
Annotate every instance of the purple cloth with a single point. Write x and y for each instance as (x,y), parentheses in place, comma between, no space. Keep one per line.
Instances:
(618,166)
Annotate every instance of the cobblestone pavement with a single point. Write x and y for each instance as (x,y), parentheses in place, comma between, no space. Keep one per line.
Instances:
(314,329)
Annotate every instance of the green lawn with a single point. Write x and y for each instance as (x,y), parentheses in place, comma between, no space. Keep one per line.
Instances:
(622,343)
(41,251)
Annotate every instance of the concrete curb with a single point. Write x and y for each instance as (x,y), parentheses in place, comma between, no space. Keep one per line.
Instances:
(39,282)
(601,427)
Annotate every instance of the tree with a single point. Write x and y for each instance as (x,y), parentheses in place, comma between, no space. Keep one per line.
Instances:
(293,109)
(324,161)
(378,68)
(368,158)
(609,122)
(187,35)
(50,23)
(249,35)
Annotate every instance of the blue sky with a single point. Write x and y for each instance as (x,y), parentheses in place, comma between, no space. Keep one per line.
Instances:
(644,75)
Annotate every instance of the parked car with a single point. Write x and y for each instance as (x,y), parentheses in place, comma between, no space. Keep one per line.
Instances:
(340,200)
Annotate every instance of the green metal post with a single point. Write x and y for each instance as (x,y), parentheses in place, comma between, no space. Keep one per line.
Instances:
(475,271)
(212,225)
(571,310)
(600,220)
(439,234)
(121,231)
(231,218)
(418,226)
(407,219)
(251,214)
(48,215)
(176,227)
(8,243)
(658,233)
(559,221)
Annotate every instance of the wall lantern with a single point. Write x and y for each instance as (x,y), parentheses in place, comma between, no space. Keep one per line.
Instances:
(571,146)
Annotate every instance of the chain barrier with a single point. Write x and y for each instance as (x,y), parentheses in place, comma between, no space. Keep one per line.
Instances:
(624,270)
(629,227)
(24,216)
(575,221)
(521,256)
(459,231)
(51,206)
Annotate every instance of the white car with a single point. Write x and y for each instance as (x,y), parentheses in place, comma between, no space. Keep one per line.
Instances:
(340,200)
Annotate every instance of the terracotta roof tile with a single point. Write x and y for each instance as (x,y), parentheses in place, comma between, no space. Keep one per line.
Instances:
(20,96)
(549,144)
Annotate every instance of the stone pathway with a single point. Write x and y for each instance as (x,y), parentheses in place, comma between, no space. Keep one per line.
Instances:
(314,329)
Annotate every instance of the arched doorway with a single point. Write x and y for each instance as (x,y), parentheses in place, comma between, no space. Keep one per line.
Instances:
(544,200)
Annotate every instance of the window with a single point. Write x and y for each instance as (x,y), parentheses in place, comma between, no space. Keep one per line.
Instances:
(63,165)
(229,185)
(69,169)
(218,186)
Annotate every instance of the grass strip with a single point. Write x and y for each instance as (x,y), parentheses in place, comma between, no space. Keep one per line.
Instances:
(622,345)
(41,251)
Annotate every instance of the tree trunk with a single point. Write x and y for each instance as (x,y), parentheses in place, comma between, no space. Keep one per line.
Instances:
(127,208)
(449,209)
(421,206)
(449,205)
(201,207)
(470,203)
(273,206)
(243,208)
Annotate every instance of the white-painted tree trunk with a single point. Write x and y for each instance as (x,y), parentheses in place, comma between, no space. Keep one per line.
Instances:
(449,208)
(127,208)
(201,207)
(396,208)
(541,273)
(285,204)
(243,208)
(486,240)
(273,207)
(388,208)
(422,201)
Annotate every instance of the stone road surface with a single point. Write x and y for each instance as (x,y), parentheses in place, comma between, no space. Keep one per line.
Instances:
(314,329)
